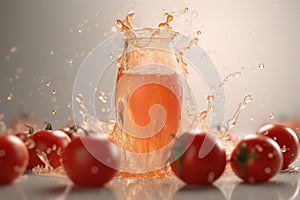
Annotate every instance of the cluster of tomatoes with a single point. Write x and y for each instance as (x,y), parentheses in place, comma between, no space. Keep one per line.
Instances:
(197,157)
(52,149)
(255,158)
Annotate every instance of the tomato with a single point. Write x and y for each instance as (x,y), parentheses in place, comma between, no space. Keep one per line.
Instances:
(91,161)
(203,158)
(47,146)
(286,138)
(13,158)
(256,158)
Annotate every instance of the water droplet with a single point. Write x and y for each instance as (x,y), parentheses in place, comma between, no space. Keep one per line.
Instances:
(54,91)
(274,138)
(70,61)
(259,148)
(43,157)
(54,147)
(17,168)
(48,150)
(211,177)
(102,97)
(271,115)
(10,96)
(48,84)
(261,65)
(13,50)
(1,116)
(185,10)
(30,144)
(59,151)
(94,170)
(111,55)
(267,170)
(79,98)
(69,105)
(252,119)
(51,53)
(199,32)
(283,149)
(270,155)
(2,153)
(54,112)
(97,13)
(79,30)
(230,76)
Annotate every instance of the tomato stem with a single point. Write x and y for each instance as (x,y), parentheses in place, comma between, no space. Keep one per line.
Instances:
(242,157)
(48,126)
(30,129)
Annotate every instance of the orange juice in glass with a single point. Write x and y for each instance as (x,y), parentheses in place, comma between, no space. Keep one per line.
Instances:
(148,101)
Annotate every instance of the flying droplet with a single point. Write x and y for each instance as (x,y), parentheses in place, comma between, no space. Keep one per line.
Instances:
(53,112)
(79,30)
(111,55)
(48,84)
(271,115)
(13,49)
(97,13)
(199,32)
(261,65)
(54,91)
(102,97)
(10,96)
(185,10)
(70,61)
(51,53)
(79,98)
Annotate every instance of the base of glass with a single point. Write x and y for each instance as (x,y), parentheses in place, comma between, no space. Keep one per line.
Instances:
(165,172)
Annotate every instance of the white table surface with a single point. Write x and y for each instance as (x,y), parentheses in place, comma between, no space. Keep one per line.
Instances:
(34,187)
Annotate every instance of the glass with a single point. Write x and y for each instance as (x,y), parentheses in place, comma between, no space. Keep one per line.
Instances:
(149,93)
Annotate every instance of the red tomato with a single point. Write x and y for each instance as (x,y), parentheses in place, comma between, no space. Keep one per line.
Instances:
(13,158)
(256,158)
(203,160)
(91,161)
(286,138)
(47,146)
